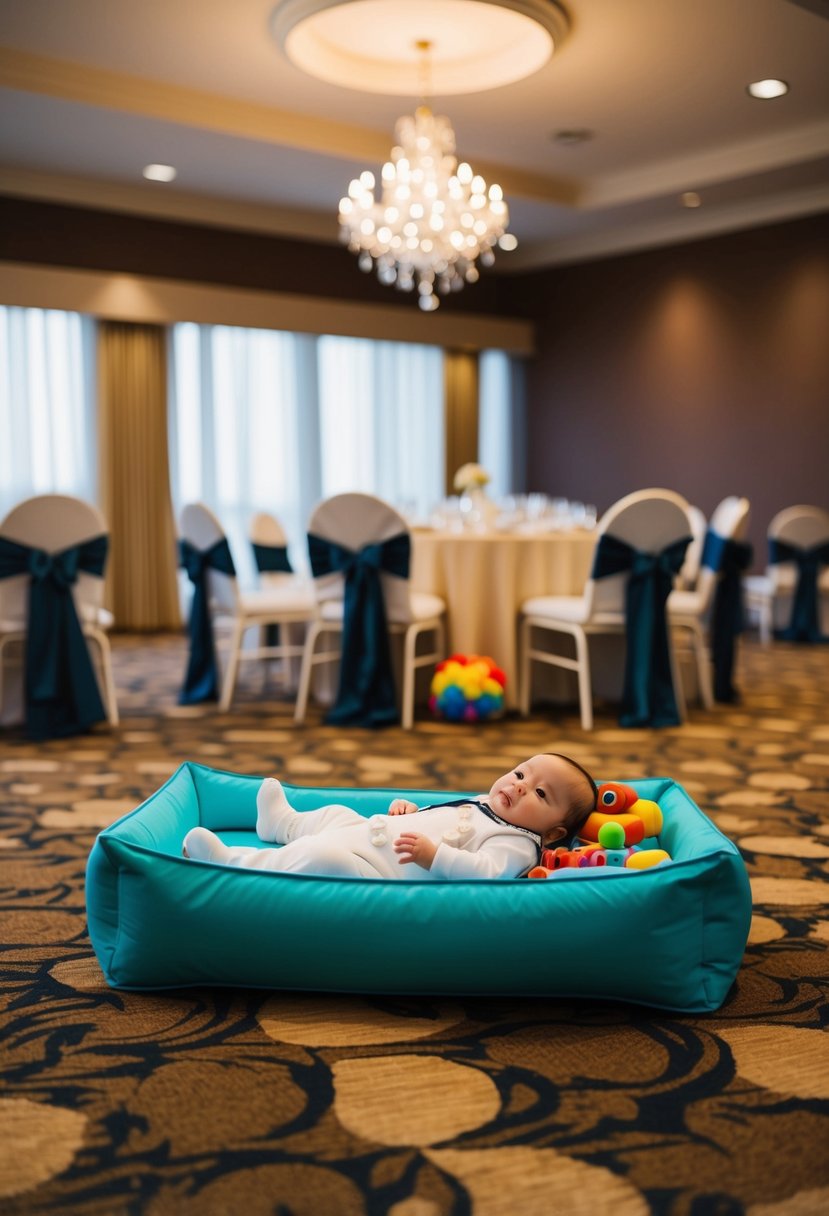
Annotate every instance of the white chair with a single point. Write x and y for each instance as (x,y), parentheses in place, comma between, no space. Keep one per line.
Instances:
(770,596)
(649,520)
(689,610)
(269,542)
(53,523)
(355,521)
(266,531)
(244,610)
(687,578)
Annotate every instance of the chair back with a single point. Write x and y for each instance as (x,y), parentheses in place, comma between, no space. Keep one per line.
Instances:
(265,529)
(687,577)
(649,520)
(201,528)
(355,520)
(267,535)
(730,521)
(51,522)
(804,527)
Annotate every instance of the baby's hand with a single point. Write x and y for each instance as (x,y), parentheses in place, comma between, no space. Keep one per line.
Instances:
(413,847)
(400,806)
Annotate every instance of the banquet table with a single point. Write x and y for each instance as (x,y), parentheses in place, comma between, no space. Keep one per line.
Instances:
(485,577)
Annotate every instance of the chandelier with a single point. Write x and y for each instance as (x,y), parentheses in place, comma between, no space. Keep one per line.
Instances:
(432,218)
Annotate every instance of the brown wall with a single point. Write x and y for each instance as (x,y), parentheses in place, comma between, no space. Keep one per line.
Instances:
(703,367)
(52,234)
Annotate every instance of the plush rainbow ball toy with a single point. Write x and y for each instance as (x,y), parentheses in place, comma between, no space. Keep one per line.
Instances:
(467,688)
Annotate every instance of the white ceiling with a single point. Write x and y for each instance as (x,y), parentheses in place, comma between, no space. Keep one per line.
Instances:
(92,90)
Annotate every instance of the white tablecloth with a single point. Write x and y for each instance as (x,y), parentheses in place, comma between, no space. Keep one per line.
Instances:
(485,578)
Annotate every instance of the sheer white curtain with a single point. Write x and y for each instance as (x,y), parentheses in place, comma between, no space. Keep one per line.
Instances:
(382,421)
(47,405)
(269,421)
(239,400)
(501,421)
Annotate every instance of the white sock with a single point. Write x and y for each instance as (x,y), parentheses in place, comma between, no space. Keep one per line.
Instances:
(274,813)
(203,845)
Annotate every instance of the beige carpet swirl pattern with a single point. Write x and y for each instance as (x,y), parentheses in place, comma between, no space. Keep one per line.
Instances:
(212,1101)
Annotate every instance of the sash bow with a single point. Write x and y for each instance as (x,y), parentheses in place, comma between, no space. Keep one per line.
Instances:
(804,625)
(272,559)
(648,697)
(365,696)
(729,559)
(201,680)
(60,689)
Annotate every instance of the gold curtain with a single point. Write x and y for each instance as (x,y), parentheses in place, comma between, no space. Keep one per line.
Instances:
(461,393)
(142,588)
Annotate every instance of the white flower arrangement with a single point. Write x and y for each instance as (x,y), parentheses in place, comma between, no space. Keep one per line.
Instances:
(470,477)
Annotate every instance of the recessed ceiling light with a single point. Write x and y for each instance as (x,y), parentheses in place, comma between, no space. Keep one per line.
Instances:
(508,242)
(159,173)
(369,44)
(690,199)
(576,136)
(766,89)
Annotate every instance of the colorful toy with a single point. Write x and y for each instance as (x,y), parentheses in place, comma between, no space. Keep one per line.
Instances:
(610,839)
(467,688)
(617,803)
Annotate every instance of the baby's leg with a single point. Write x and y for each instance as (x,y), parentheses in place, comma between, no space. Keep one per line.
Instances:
(309,855)
(200,844)
(321,856)
(274,813)
(277,820)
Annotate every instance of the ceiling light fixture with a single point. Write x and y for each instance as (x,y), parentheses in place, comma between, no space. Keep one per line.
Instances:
(159,173)
(765,90)
(690,199)
(433,218)
(367,44)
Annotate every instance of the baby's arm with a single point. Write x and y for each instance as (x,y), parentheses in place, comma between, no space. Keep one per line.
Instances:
(501,856)
(413,847)
(401,806)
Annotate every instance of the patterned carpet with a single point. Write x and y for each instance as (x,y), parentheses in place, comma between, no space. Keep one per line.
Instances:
(203,1102)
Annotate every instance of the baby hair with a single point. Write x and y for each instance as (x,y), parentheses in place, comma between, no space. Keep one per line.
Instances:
(584,796)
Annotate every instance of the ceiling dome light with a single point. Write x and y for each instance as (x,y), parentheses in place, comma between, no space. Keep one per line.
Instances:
(159,173)
(765,90)
(690,199)
(368,44)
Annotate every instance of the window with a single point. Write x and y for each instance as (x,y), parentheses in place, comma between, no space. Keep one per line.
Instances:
(501,421)
(270,421)
(234,421)
(47,414)
(382,421)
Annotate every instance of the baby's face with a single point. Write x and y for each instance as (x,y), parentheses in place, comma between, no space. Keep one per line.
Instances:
(535,795)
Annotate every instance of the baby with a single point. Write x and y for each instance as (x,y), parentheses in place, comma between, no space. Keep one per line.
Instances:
(494,835)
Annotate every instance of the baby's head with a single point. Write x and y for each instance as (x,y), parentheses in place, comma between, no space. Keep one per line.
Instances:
(550,794)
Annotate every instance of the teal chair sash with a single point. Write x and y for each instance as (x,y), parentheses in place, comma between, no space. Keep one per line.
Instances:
(804,625)
(60,689)
(272,559)
(201,680)
(648,697)
(366,687)
(729,559)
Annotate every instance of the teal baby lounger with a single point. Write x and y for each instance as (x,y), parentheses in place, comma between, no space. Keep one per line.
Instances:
(672,936)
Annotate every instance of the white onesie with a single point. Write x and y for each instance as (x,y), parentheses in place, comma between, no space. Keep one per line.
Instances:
(336,841)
